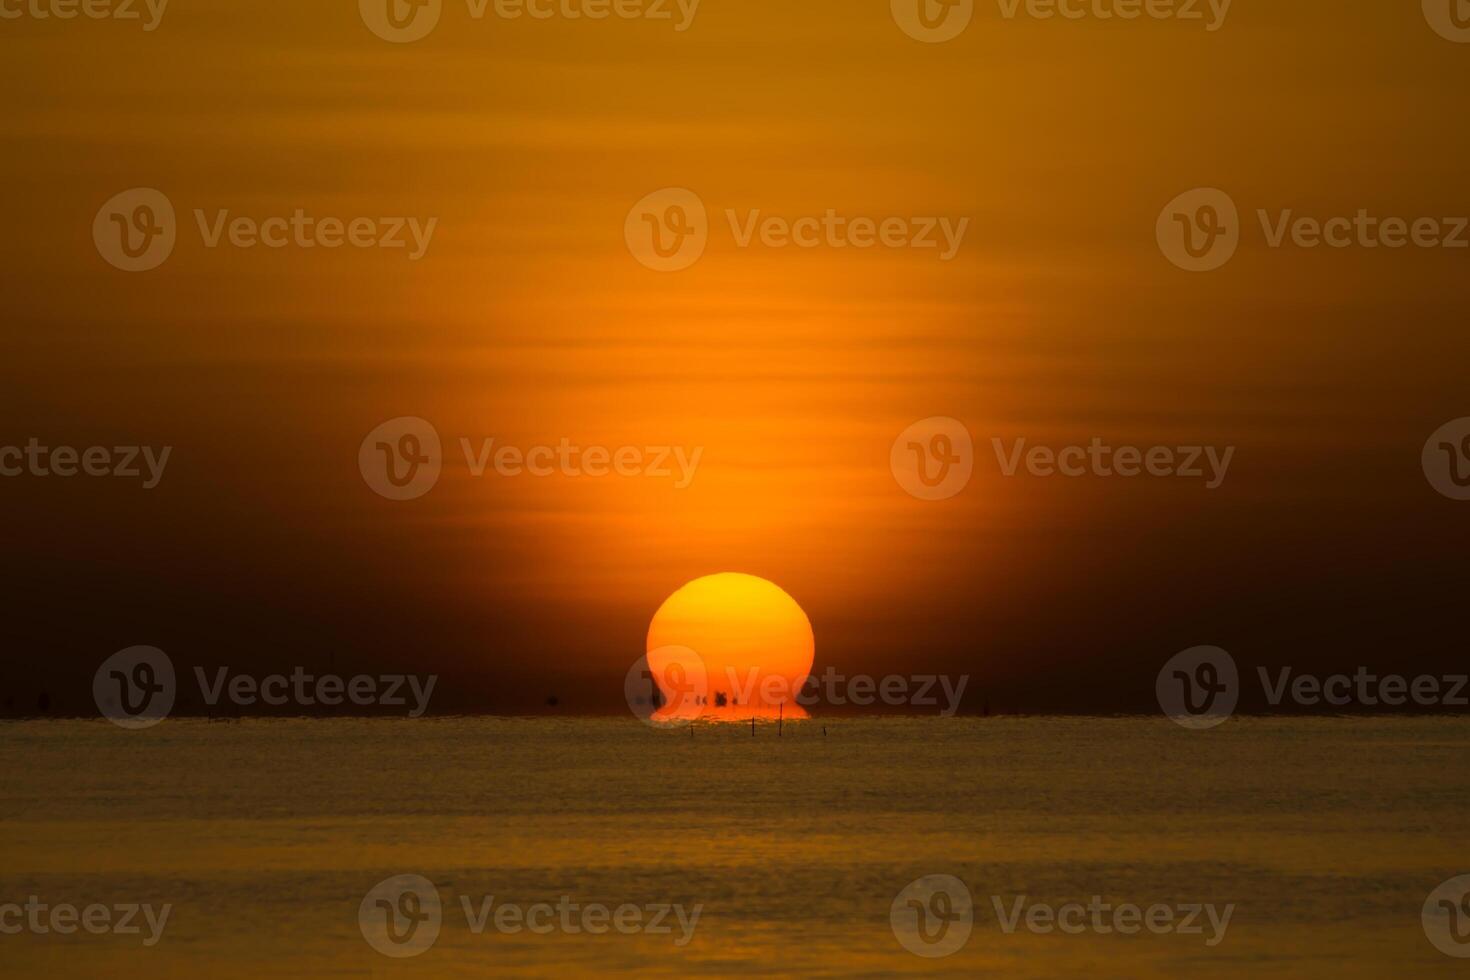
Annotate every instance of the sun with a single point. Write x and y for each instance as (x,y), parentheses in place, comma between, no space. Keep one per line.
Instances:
(738,647)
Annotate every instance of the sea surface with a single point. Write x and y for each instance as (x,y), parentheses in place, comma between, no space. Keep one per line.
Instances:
(265,836)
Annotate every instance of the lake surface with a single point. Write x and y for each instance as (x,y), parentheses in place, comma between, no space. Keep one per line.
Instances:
(265,837)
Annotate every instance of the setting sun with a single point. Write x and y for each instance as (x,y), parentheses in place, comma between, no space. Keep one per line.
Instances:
(382,372)
(754,646)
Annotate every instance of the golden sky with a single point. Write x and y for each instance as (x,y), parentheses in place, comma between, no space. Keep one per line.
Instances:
(793,370)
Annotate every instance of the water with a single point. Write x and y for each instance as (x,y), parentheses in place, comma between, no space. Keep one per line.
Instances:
(1327,835)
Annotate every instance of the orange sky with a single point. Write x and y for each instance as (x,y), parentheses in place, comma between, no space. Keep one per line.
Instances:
(792,369)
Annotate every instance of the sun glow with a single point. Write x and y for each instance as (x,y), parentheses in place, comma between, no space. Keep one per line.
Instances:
(741,643)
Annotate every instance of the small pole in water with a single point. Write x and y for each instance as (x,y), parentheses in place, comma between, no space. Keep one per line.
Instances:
(752,726)
(780,717)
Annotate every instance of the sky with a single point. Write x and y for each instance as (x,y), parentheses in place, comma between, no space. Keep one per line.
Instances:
(529,319)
